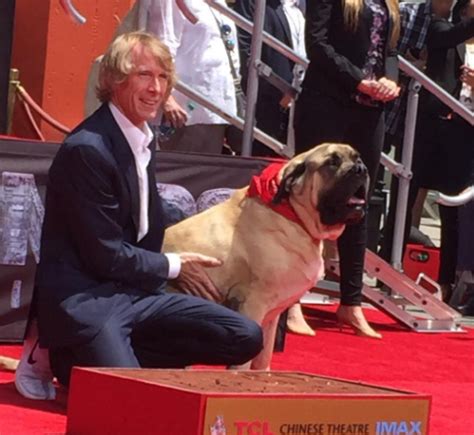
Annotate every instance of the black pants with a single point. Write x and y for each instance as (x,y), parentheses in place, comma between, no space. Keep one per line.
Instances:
(165,331)
(320,119)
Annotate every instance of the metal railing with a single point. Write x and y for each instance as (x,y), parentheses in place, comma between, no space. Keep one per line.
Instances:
(436,90)
(464,197)
(238,122)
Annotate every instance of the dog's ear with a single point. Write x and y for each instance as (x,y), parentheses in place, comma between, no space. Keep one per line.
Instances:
(290,175)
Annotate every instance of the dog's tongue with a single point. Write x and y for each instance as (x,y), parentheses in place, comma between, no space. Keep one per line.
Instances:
(355,201)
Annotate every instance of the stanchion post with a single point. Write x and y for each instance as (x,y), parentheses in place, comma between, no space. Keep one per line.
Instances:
(252,82)
(404,180)
(12,86)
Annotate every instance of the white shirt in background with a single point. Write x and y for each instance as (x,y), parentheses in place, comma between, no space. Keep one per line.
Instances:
(466,96)
(296,22)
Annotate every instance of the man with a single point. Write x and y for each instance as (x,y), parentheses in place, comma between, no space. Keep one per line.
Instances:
(285,21)
(100,296)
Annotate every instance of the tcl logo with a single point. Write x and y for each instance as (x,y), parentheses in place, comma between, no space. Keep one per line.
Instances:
(252,428)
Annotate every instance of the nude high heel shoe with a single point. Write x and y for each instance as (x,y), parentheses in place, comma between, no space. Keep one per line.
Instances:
(353,317)
(296,322)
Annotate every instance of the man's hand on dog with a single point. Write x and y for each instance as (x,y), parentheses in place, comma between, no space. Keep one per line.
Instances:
(193,278)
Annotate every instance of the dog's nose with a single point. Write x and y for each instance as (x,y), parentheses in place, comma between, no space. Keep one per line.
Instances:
(359,167)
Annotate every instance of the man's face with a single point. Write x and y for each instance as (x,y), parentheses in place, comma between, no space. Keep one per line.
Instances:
(140,96)
(442,8)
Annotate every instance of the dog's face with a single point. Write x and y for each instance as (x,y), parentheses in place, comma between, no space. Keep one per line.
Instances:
(326,185)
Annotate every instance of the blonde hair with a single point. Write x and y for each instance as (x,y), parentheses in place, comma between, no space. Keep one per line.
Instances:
(352,9)
(117,63)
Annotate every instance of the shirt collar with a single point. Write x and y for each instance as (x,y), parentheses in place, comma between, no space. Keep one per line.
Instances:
(290,2)
(137,138)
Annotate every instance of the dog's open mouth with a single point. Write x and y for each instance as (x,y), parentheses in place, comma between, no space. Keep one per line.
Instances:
(337,208)
(356,205)
(357,199)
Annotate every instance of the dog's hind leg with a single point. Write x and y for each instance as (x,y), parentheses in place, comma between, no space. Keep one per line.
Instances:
(263,360)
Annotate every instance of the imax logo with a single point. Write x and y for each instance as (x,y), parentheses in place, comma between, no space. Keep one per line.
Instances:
(398,428)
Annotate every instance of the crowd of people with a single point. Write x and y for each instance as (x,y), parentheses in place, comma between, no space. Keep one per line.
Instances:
(110,309)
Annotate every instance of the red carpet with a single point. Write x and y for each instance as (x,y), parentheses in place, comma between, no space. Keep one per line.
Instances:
(441,365)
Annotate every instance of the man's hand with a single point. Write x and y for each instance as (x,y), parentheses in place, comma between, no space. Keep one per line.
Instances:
(174,113)
(193,278)
(467,75)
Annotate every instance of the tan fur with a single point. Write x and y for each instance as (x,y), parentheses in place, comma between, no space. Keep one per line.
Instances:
(269,261)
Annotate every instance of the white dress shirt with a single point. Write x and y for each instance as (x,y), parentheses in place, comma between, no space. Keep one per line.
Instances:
(296,22)
(139,140)
(200,55)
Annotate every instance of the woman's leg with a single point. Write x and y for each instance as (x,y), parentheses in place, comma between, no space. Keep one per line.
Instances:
(365,133)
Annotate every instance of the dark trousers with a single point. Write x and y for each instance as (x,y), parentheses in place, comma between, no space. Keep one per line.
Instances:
(164,331)
(273,120)
(320,119)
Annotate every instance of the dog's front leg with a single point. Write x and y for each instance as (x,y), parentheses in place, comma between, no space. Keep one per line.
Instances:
(263,360)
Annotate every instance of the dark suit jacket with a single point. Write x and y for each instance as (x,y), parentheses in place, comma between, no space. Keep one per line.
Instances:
(270,117)
(276,25)
(337,54)
(91,263)
(446,52)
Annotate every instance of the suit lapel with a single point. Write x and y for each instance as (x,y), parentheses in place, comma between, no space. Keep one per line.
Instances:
(126,162)
(284,22)
(153,194)
(461,49)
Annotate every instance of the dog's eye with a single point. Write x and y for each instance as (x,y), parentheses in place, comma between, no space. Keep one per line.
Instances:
(334,160)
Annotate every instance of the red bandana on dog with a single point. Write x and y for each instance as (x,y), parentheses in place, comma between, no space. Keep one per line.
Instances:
(265,186)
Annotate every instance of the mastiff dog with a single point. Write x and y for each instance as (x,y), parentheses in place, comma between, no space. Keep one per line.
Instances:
(270,234)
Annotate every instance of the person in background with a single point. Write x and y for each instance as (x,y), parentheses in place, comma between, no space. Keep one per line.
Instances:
(353,70)
(415,21)
(285,21)
(444,151)
(205,54)
(100,295)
